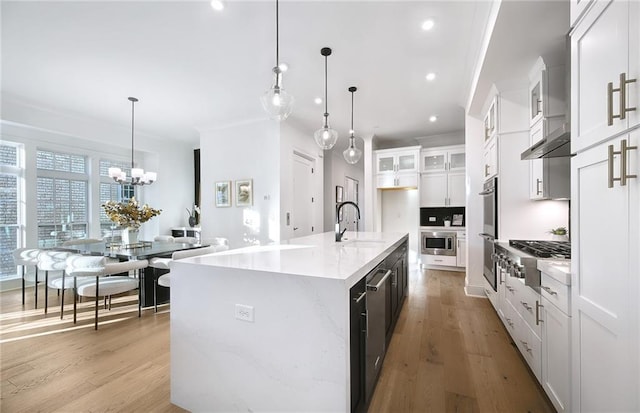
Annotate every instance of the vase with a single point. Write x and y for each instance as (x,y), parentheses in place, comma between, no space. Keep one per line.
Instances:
(129,236)
(192,222)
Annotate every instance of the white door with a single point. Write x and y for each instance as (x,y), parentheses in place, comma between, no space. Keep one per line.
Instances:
(349,214)
(303,201)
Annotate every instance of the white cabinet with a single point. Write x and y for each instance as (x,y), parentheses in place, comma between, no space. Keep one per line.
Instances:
(605,295)
(556,342)
(442,182)
(577,9)
(605,291)
(491,121)
(548,177)
(397,168)
(490,157)
(443,159)
(461,252)
(605,72)
(546,92)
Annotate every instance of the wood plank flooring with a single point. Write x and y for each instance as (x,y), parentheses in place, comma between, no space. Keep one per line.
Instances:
(449,353)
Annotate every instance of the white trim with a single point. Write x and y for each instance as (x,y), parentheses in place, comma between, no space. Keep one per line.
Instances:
(474,291)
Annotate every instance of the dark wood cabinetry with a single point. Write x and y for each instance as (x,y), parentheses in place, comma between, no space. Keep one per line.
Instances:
(395,289)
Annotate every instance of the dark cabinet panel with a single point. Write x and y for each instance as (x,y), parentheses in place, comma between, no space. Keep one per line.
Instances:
(358,333)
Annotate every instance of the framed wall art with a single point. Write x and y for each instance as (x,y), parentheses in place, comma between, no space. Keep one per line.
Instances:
(244,192)
(223,194)
(339,194)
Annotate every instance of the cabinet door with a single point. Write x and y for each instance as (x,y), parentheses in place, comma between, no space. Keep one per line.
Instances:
(536,99)
(456,189)
(386,181)
(604,296)
(358,331)
(457,160)
(433,190)
(536,167)
(490,160)
(407,162)
(599,54)
(386,163)
(577,8)
(461,253)
(556,333)
(434,161)
(490,122)
(407,180)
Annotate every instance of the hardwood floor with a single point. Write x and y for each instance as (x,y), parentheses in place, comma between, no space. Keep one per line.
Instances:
(449,353)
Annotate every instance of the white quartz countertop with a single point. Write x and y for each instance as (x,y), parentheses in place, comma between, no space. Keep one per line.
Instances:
(313,256)
(559,270)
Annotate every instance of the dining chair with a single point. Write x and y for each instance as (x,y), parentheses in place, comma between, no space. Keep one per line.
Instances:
(165,279)
(105,284)
(56,262)
(164,238)
(27,257)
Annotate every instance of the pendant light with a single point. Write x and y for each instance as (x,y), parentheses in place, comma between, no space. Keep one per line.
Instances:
(138,175)
(325,137)
(352,154)
(276,101)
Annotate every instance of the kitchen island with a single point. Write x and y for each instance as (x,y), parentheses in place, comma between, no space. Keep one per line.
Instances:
(267,328)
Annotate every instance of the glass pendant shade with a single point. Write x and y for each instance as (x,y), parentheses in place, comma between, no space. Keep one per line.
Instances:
(326,137)
(352,154)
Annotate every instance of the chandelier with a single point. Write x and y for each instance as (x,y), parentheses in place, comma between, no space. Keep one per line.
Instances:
(138,175)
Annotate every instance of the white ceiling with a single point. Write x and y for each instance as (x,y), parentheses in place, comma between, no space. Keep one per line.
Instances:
(193,68)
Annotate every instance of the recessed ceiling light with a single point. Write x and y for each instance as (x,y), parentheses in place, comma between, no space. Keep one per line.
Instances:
(431,76)
(283,66)
(217,5)
(428,25)
(317,101)
(433,118)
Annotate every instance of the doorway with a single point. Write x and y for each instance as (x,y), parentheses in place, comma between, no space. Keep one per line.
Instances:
(303,197)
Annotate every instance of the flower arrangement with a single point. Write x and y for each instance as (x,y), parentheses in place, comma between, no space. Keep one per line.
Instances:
(129,214)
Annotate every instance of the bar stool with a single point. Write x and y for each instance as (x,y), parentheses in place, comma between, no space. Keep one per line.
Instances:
(186,240)
(25,257)
(80,241)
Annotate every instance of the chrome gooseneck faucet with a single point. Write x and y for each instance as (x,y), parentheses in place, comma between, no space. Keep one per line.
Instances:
(338,208)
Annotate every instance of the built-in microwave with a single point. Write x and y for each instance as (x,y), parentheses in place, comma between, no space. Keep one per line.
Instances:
(438,242)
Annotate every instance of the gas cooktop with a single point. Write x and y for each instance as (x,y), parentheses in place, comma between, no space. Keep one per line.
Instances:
(544,249)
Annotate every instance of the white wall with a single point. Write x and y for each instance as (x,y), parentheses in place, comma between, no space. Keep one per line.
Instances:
(249,150)
(474,139)
(337,169)
(292,139)
(400,212)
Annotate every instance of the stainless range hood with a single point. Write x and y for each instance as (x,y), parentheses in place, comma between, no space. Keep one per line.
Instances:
(557,144)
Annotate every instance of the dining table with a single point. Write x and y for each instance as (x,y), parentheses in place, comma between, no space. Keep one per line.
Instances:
(142,251)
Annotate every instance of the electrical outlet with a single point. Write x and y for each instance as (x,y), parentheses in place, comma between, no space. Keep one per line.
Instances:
(244,312)
(432,219)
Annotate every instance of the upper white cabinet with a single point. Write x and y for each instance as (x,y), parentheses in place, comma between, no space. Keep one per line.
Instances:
(490,157)
(577,9)
(491,121)
(442,181)
(397,160)
(398,167)
(546,92)
(605,66)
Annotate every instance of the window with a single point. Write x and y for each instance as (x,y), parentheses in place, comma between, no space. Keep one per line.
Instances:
(11,172)
(62,194)
(112,191)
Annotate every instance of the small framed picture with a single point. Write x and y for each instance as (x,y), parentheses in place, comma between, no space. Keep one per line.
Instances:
(244,192)
(339,193)
(223,194)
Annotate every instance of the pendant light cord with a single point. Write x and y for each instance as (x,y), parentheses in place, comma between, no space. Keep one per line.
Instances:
(132,124)
(277,39)
(352,132)
(326,103)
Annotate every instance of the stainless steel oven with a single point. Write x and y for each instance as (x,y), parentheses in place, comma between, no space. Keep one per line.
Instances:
(490,229)
(438,242)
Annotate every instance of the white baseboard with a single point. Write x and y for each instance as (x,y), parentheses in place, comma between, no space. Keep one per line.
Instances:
(474,291)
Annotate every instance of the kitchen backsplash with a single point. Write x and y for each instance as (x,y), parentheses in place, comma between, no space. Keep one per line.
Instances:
(434,217)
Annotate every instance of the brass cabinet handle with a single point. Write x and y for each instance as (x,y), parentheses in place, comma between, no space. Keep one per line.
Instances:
(549,290)
(611,179)
(538,190)
(623,99)
(538,110)
(486,170)
(526,305)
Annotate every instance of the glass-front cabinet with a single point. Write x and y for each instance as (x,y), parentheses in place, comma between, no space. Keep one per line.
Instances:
(398,167)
